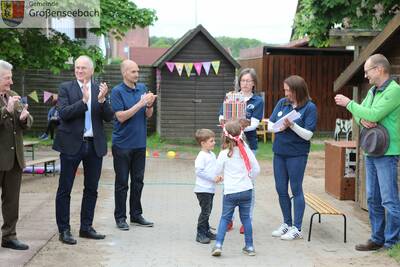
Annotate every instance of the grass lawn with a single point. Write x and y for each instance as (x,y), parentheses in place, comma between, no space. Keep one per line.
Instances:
(154,142)
(395,252)
(264,152)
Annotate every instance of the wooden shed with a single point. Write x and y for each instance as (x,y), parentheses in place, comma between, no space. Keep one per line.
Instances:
(319,67)
(191,101)
(386,43)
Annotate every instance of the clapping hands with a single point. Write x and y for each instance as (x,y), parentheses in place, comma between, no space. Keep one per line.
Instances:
(148,99)
(103,92)
(24,113)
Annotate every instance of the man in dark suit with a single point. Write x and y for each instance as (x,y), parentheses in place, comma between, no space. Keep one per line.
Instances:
(14,118)
(80,137)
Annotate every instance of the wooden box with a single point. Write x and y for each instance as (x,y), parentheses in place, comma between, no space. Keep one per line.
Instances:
(339,182)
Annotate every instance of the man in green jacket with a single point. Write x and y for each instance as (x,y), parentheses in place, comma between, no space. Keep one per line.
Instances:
(381,106)
(14,118)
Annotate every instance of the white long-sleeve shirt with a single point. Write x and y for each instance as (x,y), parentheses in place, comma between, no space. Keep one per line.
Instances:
(233,169)
(205,168)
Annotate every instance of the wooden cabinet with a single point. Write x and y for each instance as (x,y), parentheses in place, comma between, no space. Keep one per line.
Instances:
(340,164)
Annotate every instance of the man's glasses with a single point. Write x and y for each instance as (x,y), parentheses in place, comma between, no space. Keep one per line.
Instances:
(371,68)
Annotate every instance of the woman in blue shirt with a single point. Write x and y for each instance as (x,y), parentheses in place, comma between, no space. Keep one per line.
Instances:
(254,114)
(291,148)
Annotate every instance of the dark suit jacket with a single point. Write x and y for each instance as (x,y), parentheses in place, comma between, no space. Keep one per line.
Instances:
(11,135)
(72,110)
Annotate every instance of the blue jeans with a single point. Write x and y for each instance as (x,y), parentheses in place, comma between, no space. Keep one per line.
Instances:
(243,201)
(253,194)
(290,170)
(383,194)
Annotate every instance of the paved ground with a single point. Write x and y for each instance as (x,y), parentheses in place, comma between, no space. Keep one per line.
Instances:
(168,200)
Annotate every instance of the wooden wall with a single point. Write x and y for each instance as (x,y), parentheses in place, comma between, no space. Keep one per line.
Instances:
(189,103)
(319,71)
(44,80)
(257,65)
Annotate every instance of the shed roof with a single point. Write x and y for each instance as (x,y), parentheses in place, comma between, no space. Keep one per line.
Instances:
(356,66)
(185,39)
(146,55)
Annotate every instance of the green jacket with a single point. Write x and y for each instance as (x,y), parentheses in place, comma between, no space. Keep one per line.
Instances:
(11,135)
(384,109)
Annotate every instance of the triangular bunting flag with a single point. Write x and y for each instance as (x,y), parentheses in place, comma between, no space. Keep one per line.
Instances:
(197,67)
(170,66)
(206,66)
(215,65)
(179,68)
(188,67)
(34,96)
(46,96)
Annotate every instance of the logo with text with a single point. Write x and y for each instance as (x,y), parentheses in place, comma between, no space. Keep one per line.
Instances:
(12,12)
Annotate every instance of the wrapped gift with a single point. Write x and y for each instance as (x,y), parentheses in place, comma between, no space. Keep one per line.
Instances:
(234,106)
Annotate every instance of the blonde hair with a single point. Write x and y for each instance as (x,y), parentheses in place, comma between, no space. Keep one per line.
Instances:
(234,129)
(203,135)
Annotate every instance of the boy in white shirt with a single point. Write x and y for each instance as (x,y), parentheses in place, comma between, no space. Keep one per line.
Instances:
(205,166)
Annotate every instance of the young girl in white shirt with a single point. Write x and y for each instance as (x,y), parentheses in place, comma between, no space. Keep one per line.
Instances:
(238,165)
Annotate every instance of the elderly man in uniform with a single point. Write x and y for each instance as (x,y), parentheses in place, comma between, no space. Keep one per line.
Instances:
(14,118)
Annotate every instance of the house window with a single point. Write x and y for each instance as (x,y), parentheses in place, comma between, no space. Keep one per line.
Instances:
(80,33)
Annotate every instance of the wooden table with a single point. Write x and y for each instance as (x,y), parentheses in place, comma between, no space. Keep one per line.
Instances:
(30,147)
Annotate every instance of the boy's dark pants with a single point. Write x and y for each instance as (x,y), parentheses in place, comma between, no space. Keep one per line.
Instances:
(205,202)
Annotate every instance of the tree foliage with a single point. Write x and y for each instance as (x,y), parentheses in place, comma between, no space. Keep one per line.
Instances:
(234,44)
(31,48)
(315,18)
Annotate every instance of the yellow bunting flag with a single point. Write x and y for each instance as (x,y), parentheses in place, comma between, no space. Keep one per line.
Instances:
(179,68)
(34,96)
(215,65)
(188,68)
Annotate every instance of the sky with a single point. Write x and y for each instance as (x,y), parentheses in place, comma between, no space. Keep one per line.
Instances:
(266,20)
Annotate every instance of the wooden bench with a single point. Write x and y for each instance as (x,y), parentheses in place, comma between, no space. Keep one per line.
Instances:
(30,147)
(47,161)
(321,207)
(262,129)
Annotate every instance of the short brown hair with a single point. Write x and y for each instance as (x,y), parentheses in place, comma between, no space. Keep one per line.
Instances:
(203,135)
(299,86)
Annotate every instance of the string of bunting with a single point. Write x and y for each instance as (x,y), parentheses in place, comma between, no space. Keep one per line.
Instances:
(35,97)
(198,66)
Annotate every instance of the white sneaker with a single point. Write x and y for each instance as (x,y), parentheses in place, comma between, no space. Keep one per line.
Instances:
(292,234)
(283,229)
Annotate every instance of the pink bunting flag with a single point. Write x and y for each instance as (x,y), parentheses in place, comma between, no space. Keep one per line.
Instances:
(206,66)
(197,67)
(170,66)
(46,96)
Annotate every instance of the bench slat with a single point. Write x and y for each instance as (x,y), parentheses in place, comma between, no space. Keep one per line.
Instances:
(319,205)
(42,160)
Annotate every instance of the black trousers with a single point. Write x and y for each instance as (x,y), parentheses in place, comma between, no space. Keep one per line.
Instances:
(10,183)
(51,126)
(128,162)
(206,203)
(92,170)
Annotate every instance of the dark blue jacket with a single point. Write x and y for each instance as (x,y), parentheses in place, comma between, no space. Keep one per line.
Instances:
(72,110)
